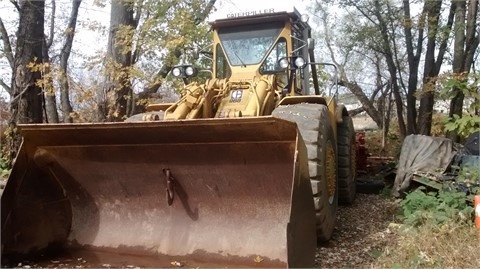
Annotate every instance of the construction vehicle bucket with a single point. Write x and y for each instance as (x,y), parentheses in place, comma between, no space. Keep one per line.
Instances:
(209,192)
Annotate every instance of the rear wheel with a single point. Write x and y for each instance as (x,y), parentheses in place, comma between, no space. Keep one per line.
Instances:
(347,170)
(313,121)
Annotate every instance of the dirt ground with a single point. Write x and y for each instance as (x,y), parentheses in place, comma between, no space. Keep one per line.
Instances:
(362,232)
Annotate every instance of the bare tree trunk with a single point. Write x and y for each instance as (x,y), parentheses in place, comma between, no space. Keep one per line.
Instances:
(119,58)
(472,40)
(392,69)
(433,8)
(50,100)
(64,55)
(366,104)
(456,104)
(27,97)
(26,104)
(413,56)
(388,113)
(465,44)
(7,51)
(51,113)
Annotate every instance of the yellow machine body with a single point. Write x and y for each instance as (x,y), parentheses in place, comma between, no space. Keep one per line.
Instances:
(216,181)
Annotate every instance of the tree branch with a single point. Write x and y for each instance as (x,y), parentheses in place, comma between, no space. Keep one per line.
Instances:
(472,36)
(70,33)
(52,25)
(356,111)
(377,90)
(356,90)
(138,44)
(444,43)
(6,87)
(359,8)
(138,13)
(15,3)
(206,11)
(326,30)
(20,94)
(7,47)
(177,52)
(64,56)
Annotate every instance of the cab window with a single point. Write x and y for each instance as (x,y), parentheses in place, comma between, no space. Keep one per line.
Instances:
(270,65)
(222,69)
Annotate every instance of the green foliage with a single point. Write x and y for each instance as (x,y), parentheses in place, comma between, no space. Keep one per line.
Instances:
(464,125)
(467,180)
(420,207)
(469,175)
(166,33)
(468,85)
(4,167)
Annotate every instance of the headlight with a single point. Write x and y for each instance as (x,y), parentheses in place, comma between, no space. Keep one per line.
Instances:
(176,71)
(304,18)
(189,71)
(283,63)
(300,62)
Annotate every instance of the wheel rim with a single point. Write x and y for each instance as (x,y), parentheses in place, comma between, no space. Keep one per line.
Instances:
(331,173)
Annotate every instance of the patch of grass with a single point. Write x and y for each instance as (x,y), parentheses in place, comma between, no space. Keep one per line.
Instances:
(450,245)
(437,232)
(436,229)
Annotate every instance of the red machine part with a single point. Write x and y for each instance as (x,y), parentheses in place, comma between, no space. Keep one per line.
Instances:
(362,152)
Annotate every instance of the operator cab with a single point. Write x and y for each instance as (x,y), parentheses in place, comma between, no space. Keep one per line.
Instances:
(248,46)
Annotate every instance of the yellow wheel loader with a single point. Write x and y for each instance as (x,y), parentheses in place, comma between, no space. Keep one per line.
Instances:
(244,170)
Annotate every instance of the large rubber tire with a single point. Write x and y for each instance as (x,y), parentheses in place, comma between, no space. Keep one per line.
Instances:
(347,158)
(313,121)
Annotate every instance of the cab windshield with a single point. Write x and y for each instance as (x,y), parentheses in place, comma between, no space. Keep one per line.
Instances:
(248,44)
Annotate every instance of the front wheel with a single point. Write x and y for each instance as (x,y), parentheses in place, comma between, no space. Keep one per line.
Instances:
(313,122)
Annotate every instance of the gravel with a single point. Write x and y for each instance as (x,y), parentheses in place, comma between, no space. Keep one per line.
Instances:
(361,234)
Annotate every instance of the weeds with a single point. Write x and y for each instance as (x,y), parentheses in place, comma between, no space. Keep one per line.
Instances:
(451,245)
(4,168)
(437,232)
(420,207)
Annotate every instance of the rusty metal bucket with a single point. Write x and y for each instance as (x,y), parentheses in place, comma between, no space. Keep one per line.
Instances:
(215,192)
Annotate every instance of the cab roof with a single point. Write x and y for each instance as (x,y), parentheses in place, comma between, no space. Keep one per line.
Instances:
(248,18)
